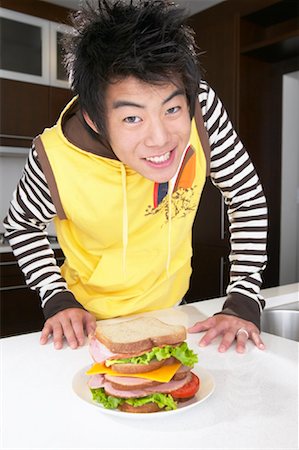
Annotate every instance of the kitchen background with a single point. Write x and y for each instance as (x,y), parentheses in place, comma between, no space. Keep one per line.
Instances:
(251,58)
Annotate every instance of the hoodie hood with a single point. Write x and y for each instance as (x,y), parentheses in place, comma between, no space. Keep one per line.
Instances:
(79,133)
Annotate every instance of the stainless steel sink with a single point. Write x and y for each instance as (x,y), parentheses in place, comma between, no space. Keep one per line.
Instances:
(282,321)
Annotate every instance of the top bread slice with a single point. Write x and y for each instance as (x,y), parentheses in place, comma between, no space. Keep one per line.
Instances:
(138,335)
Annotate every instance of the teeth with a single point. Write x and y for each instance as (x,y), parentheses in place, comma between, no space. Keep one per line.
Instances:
(159,159)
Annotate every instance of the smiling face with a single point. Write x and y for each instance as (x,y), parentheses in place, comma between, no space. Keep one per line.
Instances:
(148,126)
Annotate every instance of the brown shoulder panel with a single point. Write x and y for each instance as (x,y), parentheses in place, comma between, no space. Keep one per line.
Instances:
(47,169)
(202,132)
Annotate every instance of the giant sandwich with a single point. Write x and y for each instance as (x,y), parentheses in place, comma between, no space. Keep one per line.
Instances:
(141,365)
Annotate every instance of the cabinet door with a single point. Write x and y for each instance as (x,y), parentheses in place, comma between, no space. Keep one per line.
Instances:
(210,247)
(27,109)
(24,46)
(24,112)
(210,274)
(58,75)
(58,99)
(20,311)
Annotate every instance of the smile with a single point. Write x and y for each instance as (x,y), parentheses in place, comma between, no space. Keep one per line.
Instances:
(159,159)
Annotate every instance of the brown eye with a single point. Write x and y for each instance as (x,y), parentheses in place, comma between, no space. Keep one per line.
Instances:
(173,110)
(132,119)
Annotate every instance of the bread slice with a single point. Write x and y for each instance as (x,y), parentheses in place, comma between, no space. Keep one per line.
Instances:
(138,335)
(147,408)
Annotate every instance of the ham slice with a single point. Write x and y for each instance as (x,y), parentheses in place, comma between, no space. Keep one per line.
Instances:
(172,385)
(96,381)
(181,372)
(110,390)
(163,388)
(129,383)
(98,351)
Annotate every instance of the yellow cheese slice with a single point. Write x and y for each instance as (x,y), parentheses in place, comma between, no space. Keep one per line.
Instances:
(163,374)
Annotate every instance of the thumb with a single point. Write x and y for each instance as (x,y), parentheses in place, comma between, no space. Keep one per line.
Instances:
(195,328)
(90,324)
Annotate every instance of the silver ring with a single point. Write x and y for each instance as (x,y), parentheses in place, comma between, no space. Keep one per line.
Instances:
(242,330)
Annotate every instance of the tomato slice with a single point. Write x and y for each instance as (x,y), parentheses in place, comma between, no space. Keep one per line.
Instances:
(189,389)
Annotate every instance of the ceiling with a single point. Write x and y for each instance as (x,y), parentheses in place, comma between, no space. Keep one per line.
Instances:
(193,6)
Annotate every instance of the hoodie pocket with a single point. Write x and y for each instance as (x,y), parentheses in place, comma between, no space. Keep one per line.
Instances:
(136,270)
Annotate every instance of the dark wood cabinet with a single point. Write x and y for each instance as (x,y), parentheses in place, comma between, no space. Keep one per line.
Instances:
(210,247)
(24,112)
(58,99)
(246,47)
(20,312)
(39,8)
(28,108)
(20,307)
(30,105)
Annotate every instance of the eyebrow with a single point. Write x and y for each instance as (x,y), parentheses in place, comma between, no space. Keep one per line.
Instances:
(122,103)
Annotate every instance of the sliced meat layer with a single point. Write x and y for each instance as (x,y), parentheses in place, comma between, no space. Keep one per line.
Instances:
(98,351)
(110,390)
(172,385)
(96,381)
(129,383)
(181,372)
(164,388)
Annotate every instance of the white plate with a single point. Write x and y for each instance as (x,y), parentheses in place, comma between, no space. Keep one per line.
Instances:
(207,386)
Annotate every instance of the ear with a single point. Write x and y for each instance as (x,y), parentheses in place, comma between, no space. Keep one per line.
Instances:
(89,121)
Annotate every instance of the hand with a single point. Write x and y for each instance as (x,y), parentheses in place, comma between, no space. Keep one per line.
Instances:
(71,323)
(231,328)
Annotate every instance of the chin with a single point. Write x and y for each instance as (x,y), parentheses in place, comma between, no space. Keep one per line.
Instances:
(161,176)
(157,179)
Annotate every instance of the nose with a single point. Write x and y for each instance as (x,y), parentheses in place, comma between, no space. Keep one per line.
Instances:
(157,134)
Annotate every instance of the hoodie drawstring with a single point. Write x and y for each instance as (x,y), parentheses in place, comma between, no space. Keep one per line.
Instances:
(125,217)
(170,189)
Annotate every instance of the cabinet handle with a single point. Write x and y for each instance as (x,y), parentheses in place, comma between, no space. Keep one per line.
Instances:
(15,136)
(222,220)
(12,288)
(221,277)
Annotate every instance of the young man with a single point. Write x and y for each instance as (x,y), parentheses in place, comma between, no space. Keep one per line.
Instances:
(121,175)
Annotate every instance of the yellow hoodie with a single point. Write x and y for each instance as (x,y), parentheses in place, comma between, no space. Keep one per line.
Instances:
(126,240)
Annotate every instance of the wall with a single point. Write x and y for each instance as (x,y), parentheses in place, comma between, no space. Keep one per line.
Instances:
(289,245)
(11,167)
(10,171)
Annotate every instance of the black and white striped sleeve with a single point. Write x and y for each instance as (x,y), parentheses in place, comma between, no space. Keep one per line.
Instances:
(31,210)
(233,173)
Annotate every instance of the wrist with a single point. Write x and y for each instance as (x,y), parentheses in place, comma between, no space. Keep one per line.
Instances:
(240,305)
(60,301)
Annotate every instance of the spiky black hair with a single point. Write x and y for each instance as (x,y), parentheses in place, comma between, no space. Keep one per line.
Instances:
(147,39)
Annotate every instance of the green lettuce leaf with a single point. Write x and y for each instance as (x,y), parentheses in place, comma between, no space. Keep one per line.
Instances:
(181,352)
(163,400)
(107,401)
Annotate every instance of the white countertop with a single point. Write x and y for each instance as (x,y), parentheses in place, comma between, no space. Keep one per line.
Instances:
(254,405)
